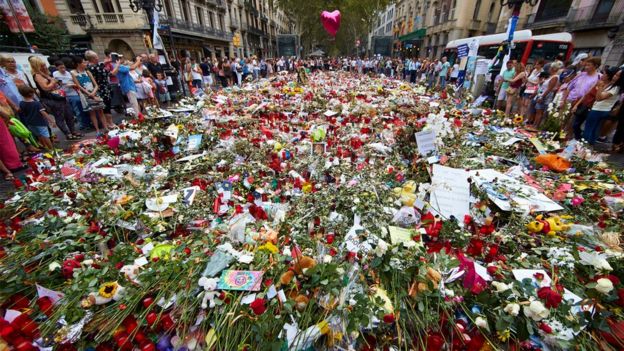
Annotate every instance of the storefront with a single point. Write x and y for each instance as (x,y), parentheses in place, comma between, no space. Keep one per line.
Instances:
(410,44)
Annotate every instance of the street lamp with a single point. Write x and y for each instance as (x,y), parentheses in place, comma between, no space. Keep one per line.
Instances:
(149,6)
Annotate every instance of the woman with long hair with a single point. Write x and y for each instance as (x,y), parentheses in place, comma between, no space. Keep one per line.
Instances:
(52,98)
(513,91)
(89,88)
(531,85)
(607,95)
(545,93)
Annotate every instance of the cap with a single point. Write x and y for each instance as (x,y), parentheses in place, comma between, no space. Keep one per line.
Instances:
(565,74)
(579,58)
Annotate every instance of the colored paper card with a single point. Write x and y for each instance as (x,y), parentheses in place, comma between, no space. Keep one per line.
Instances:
(194,141)
(55,296)
(425,141)
(240,280)
(189,194)
(399,235)
(538,145)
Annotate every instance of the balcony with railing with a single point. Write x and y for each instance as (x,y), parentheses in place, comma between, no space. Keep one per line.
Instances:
(234,24)
(256,31)
(179,25)
(602,14)
(548,16)
(113,21)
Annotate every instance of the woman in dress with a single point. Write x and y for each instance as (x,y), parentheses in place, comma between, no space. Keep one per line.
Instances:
(101,75)
(89,88)
(9,157)
(52,98)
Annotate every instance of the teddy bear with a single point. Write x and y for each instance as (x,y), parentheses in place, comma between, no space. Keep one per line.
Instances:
(549,226)
(130,271)
(209,293)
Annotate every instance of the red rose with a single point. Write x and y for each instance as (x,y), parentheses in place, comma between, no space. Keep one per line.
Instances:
(620,300)
(492,270)
(258,306)
(545,328)
(475,248)
(552,298)
(389,318)
(45,305)
(538,276)
(435,342)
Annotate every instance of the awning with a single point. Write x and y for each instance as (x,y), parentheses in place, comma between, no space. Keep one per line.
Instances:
(415,35)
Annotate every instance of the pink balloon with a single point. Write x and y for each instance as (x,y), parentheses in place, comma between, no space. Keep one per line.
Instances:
(331,21)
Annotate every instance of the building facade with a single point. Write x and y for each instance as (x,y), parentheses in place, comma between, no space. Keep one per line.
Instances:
(596,25)
(195,28)
(424,27)
(380,38)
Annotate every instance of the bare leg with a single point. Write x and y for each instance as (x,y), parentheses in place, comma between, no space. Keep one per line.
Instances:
(46,142)
(508,105)
(94,121)
(7,173)
(538,117)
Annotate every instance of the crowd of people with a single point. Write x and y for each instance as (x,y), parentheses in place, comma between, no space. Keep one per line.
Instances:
(80,93)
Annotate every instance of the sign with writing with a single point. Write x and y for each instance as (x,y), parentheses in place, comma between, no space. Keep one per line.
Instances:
(462,50)
(425,141)
(450,194)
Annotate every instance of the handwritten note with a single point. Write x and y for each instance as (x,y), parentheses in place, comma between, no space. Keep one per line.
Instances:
(425,142)
(399,235)
(450,192)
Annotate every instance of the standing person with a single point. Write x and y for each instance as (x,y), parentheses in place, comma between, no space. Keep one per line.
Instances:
(9,64)
(545,93)
(53,98)
(607,95)
(506,76)
(116,96)
(221,74)
(8,88)
(531,85)
(161,88)
(9,157)
(196,74)
(578,88)
(206,70)
(237,71)
(246,69)
(454,73)
(70,88)
(33,114)
(264,68)
(83,79)
(101,76)
(514,87)
(255,67)
(126,83)
(154,65)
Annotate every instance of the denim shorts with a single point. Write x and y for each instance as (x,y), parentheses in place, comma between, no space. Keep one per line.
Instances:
(40,131)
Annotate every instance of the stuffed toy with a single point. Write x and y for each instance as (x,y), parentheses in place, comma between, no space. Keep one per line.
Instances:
(549,226)
(209,293)
(554,162)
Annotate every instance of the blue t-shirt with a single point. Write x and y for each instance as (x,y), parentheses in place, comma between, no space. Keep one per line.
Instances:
(126,83)
(30,114)
(8,87)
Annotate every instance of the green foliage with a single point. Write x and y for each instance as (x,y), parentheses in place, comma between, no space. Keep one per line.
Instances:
(50,33)
(357,18)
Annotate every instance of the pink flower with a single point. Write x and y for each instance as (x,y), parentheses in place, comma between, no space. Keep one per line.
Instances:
(577,201)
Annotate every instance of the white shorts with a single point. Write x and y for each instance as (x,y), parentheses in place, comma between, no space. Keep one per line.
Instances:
(502,94)
(207,80)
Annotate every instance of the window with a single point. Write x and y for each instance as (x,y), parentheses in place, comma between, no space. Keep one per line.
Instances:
(95,6)
(602,10)
(211,17)
(388,27)
(475,14)
(452,11)
(200,15)
(107,6)
(168,9)
(551,9)
(491,13)
(221,24)
(75,6)
(186,16)
(547,50)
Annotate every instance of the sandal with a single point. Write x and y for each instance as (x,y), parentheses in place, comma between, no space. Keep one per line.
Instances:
(9,177)
(80,135)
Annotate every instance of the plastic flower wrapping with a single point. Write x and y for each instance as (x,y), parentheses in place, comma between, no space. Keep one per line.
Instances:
(349,213)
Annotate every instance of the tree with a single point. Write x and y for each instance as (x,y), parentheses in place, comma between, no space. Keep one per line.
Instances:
(50,33)
(357,18)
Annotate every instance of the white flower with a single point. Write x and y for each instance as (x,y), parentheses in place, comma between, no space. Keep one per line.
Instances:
(593,259)
(381,248)
(482,323)
(500,287)
(604,285)
(54,266)
(512,309)
(536,311)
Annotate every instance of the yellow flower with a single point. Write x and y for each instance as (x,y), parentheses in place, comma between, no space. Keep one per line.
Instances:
(503,335)
(108,290)
(518,119)
(268,247)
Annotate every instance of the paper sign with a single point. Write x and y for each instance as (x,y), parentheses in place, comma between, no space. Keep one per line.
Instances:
(189,194)
(191,157)
(247,299)
(538,145)
(450,194)
(55,296)
(399,235)
(511,141)
(272,292)
(194,141)
(10,315)
(508,193)
(426,142)
(240,280)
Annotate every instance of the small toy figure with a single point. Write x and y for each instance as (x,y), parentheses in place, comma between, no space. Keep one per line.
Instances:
(549,226)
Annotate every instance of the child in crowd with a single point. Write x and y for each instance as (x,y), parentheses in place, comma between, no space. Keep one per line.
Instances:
(150,88)
(34,116)
(163,91)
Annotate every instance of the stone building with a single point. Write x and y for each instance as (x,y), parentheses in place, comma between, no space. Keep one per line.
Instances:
(596,25)
(424,27)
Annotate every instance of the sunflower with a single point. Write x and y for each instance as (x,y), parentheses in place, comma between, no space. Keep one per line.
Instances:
(108,290)
(518,119)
